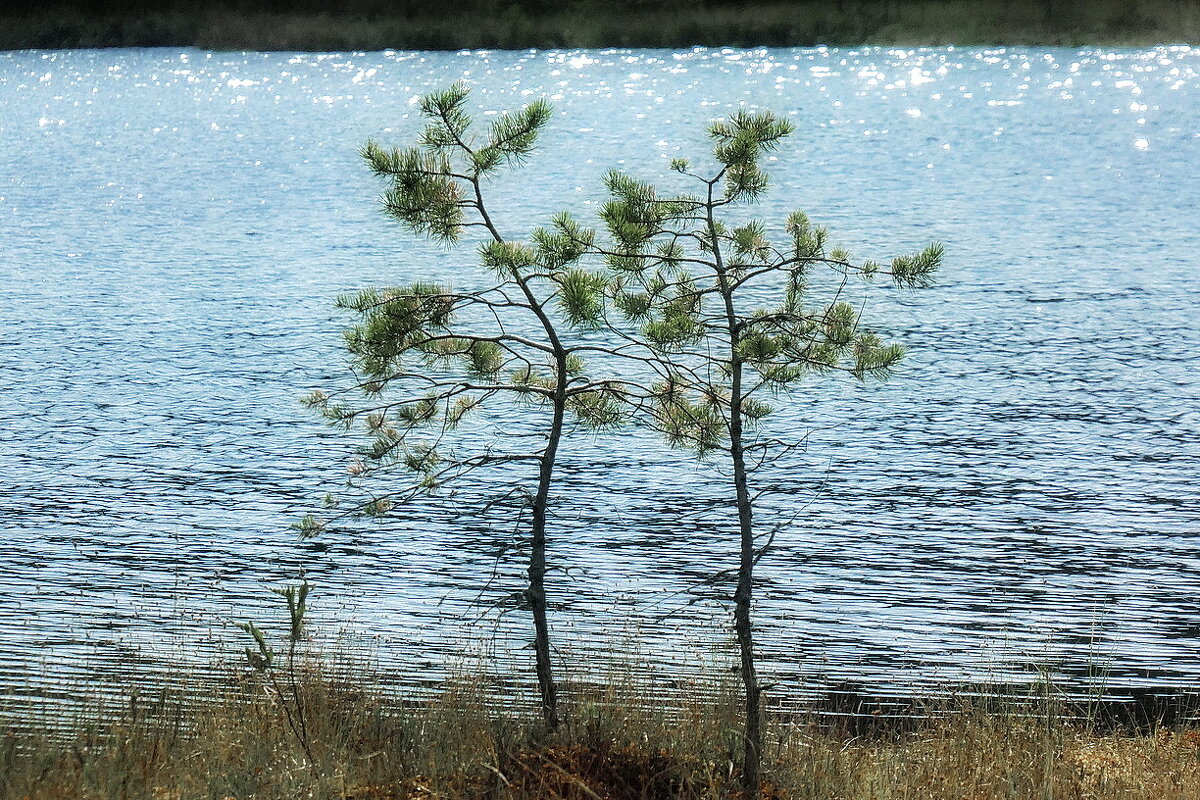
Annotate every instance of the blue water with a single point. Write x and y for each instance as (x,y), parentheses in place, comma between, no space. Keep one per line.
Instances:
(1025,494)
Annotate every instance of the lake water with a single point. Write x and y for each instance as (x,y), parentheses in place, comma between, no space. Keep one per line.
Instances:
(175,224)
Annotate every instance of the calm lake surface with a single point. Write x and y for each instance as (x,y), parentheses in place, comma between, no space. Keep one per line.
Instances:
(175,224)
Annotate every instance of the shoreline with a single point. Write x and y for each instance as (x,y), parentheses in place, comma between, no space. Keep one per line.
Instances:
(232,26)
(619,741)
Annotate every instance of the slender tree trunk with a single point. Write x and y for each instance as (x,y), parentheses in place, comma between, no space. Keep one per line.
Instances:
(744,595)
(536,593)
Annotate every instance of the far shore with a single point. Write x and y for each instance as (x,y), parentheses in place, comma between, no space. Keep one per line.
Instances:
(371,25)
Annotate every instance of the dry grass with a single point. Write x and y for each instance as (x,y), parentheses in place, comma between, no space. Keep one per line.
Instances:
(231,741)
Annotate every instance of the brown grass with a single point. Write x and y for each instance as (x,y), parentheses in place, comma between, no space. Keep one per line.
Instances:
(230,741)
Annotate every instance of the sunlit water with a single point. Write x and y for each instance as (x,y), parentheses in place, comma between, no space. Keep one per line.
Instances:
(174,226)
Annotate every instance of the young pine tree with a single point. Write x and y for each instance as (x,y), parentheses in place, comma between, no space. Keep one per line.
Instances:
(430,354)
(697,287)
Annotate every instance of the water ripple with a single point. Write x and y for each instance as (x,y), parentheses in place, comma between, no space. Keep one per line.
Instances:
(176,223)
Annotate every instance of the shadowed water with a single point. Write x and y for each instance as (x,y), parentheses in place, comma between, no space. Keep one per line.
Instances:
(174,226)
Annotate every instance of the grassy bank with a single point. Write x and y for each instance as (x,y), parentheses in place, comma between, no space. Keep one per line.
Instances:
(376,25)
(233,741)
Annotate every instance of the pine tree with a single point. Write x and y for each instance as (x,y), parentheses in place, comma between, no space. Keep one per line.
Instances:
(426,360)
(692,282)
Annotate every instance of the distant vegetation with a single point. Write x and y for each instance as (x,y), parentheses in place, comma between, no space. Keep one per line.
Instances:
(517,24)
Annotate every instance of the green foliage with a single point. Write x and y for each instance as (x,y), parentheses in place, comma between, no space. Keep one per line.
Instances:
(449,119)
(581,297)
(507,259)
(739,142)
(918,270)
(874,359)
(287,689)
(394,323)
(808,242)
(636,214)
(423,368)
(423,195)
(686,423)
(484,358)
(308,526)
(462,406)
(512,137)
(261,657)
(564,243)
(706,325)
(598,409)
(429,183)
(750,243)
(634,305)
(296,598)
